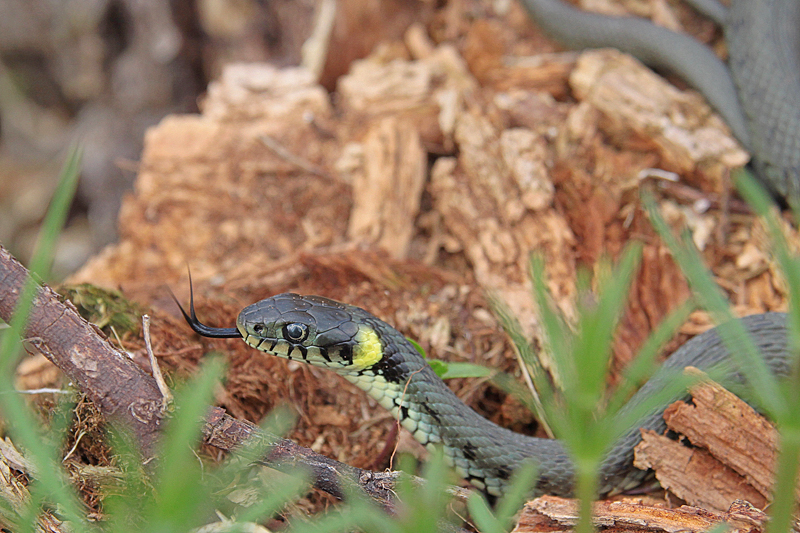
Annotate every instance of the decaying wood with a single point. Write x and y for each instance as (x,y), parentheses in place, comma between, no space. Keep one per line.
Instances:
(495,201)
(731,430)
(527,158)
(15,494)
(634,101)
(693,474)
(388,187)
(546,71)
(552,514)
(734,453)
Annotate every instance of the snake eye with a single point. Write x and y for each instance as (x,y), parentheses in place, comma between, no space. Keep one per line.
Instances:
(295,332)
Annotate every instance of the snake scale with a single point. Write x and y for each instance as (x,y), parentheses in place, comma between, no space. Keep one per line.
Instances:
(757,93)
(377,358)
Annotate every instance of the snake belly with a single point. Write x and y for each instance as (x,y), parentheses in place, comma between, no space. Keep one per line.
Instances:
(757,93)
(378,359)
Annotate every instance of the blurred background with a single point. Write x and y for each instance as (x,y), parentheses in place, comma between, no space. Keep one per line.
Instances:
(100,72)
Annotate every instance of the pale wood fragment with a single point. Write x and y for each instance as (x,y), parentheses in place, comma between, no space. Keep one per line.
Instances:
(375,88)
(638,105)
(545,72)
(263,92)
(387,189)
(496,201)
(551,513)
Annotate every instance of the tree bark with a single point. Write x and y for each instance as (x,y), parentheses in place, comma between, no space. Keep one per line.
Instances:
(119,387)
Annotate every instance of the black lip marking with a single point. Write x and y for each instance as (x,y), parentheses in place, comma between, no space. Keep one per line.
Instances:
(404,412)
(324,353)
(346,352)
(303,351)
(274,343)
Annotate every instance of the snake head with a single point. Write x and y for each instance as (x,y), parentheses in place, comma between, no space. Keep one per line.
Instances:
(313,329)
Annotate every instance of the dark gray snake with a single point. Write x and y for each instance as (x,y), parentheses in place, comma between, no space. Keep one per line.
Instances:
(377,358)
(758,93)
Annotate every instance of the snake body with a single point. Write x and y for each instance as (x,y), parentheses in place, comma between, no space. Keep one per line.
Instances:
(378,359)
(757,93)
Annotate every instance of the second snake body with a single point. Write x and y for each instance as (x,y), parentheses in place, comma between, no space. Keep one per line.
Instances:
(757,93)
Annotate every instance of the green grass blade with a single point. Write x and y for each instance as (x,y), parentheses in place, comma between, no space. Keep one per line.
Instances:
(596,336)
(526,355)
(56,215)
(517,493)
(501,520)
(788,421)
(182,498)
(784,504)
(790,264)
(460,369)
(482,516)
(557,335)
(291,488)
(51,484)
(274,489)
(425,506)
(125,503)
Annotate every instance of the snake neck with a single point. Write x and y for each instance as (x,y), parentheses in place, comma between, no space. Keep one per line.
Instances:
(482,452)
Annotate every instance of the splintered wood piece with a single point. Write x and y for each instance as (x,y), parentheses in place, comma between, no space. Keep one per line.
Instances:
(731,430)
(388,190)
(693,474)
(634,101)
(551,514)
(734,455)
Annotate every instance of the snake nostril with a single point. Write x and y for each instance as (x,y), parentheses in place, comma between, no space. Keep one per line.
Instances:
(259,328)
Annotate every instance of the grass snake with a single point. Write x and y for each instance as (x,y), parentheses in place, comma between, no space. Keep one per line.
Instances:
(378,359)
(757,93)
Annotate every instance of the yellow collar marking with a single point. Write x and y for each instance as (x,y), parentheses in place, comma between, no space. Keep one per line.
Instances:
(368,351)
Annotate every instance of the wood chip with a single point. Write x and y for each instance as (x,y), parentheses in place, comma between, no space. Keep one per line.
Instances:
(731,430)
(733,456)
(692,474)
(636,102)
(551,514)
(388,189)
